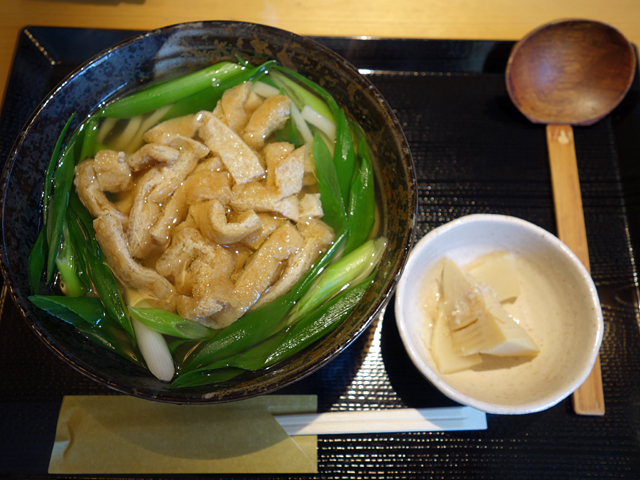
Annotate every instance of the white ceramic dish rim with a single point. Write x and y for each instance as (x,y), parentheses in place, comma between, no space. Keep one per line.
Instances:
(433,376)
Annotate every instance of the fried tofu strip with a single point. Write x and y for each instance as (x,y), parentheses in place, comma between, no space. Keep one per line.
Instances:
(253,102)
(112,171)
(269,222)
(261,271)
(317,238)
(256,196)
(182,143)
(285,171)
(200,271)
(153,191)
(205,185)
(268,117)
(190,153)
(186,126)
(241,162)
(212,289)
(309,169)
(151,154)
(144,212)
(265,264)
(232,106)
(236,106)
(110,236)
(143,215)
(285,168)
(211,164)
(211,218)
(91,195)
(174,263)
(310,206)
(174,213)
(241,254)
(199,309)
(273,153)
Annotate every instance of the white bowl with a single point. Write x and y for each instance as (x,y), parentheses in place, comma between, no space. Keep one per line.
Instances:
(558,306)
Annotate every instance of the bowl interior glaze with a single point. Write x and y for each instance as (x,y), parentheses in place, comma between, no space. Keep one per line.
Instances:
(167,53)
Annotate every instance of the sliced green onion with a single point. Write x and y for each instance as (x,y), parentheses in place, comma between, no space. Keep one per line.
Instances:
(70,282)
(207,98)
(38,257)
(242,334)
(358,134)
(79,210)
(159,95)
(48,184)
(328,186)
(79,264)
(62,183)
(379,247)
(88,308)
(344,155)
(171,324)
(102,278)
(361,212)
(90,127)
(319,322)
(252,359)
(88,317)
(289,133)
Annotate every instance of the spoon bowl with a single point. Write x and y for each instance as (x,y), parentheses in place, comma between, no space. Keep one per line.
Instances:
(570,72)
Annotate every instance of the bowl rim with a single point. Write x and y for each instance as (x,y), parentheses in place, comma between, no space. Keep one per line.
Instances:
(211,395)
(434,377)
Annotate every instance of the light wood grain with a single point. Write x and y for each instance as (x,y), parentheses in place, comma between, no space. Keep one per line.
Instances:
(589,398)
(566,190)
(436,19)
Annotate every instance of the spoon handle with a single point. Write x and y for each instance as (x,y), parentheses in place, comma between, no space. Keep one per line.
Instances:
(588,399)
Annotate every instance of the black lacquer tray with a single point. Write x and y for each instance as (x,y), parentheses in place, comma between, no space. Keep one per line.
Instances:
(474,153)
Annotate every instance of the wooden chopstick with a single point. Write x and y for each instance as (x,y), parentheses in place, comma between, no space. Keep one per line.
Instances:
(384,421)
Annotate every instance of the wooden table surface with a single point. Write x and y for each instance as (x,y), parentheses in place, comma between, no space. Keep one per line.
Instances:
(437,19)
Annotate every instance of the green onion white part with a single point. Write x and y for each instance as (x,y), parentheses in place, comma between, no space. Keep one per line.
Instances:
(319,121)
(155,351)
(265,90)
(301,124)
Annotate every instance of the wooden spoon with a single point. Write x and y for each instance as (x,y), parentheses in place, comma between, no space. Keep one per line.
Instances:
(570,72)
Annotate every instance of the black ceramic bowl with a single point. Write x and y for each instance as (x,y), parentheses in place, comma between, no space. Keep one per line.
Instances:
(163,54)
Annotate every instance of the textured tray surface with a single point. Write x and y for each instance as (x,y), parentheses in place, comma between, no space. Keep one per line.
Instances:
(474,153)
